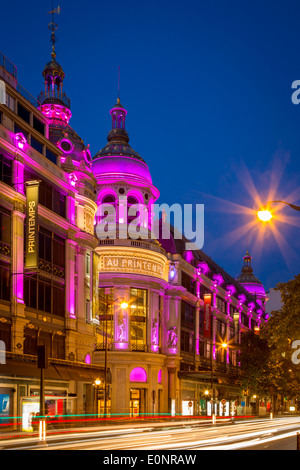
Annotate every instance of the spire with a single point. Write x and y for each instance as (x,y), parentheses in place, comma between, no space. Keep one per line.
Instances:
(53,72)
(53,27)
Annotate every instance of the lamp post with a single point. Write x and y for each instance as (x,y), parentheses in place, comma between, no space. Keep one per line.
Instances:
(265,214)
(97,385)
(123,305)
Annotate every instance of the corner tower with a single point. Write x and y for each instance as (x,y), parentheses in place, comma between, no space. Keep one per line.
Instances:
(249,281)
(123,177)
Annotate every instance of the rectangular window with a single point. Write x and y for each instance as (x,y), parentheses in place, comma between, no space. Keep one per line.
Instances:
(106,318)
(51,253)
(23,113)
(188,313)
(188,282)
(204,290)
(4,281)
(51,156)
(187,342)
(5,170)
(10,102)
(5,335)
(38,125)
(38,146)
(220,304)
(138,318)
(44,294)
(52,199)
(5,232)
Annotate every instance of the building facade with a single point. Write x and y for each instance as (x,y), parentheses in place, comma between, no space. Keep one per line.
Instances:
(159,326)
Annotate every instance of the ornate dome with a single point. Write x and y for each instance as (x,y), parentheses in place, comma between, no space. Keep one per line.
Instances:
(248,280)
(117,159)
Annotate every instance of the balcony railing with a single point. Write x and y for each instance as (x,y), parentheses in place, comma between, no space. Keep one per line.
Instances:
(52,96)
(8,66)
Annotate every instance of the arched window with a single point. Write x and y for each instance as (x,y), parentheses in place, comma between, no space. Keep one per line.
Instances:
(138,375)
(131,201)
(106,208)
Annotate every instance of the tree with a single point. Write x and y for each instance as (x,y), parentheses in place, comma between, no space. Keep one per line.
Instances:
(283,326)
(280,332)
(255,367)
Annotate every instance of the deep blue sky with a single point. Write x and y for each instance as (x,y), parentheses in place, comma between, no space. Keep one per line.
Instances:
(207,87)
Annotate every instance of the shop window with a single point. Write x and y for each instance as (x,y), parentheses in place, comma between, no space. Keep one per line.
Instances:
(105,331)
(138,318)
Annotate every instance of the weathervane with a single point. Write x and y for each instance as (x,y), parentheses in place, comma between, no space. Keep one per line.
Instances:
(53,27)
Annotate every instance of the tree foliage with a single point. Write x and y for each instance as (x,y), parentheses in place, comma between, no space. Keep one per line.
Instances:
(266,359)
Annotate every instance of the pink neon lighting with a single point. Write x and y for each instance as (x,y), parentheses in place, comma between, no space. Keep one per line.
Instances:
(21,140)
(87,359)
(138,375)
(159,375)
(56,111)
(121,346)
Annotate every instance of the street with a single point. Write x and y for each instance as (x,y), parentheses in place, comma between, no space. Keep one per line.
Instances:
(255,434)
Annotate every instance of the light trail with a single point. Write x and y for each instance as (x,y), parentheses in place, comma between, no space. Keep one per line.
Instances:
(195,436)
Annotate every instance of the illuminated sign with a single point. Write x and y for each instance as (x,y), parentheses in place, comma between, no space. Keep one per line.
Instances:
(2,353)
(207,316)
(32,198)
(150,264)
(134,264)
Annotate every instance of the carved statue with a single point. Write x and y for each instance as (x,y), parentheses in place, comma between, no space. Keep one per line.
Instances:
(172,337)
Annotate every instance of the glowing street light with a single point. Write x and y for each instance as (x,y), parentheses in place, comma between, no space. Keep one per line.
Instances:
(264,215)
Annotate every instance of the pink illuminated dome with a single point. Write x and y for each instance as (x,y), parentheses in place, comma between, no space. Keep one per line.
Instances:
(117,160)
(249,281)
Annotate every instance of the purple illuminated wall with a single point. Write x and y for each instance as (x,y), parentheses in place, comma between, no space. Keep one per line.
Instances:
(138,375)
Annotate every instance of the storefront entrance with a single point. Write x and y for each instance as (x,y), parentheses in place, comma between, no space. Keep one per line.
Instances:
(137,401)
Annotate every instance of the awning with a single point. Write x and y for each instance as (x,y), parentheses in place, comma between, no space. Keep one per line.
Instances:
(54,371)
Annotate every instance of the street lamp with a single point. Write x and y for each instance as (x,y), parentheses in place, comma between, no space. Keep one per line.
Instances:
(265,214)
(97,384)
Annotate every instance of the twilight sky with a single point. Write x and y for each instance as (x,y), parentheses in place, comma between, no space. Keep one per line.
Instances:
(207,87)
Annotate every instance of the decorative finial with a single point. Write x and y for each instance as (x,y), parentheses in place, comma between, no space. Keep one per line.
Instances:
(53,27)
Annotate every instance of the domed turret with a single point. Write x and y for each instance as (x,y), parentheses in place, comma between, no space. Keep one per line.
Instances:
(117,159)
(250,282)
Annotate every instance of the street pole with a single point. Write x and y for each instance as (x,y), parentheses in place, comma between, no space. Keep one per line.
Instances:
(212,372)
(42,365)
(105,358)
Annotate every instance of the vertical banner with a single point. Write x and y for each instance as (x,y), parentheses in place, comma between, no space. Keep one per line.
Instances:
(207,316)
(32,199)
